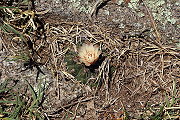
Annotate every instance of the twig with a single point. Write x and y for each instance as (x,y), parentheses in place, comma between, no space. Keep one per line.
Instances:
(69,105)
(95,7)
(169,108)
(75,113)
(106,105)
(152,22)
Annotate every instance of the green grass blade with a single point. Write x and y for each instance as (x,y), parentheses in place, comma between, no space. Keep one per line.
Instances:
(4,84)
(36,102)
(4,90)
(6,7)
(7,28)
(8,102)
(7,118)
(18,107)
(34,95)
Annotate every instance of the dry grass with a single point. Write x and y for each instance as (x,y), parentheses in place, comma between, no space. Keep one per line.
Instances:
(136,76)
